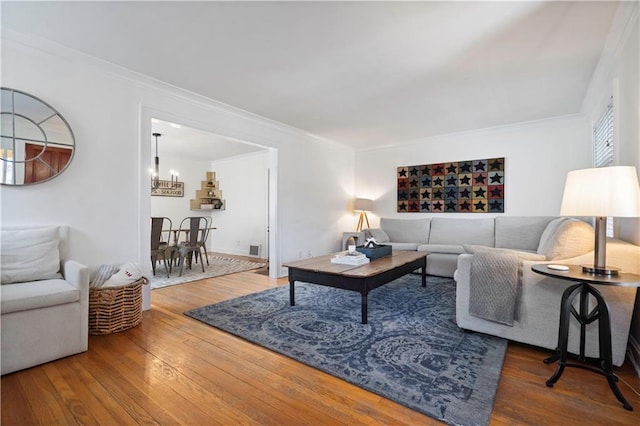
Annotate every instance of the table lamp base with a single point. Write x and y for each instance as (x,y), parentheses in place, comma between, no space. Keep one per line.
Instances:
(600,270)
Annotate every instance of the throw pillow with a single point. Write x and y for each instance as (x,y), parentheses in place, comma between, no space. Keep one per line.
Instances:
(30,254)
(565,238)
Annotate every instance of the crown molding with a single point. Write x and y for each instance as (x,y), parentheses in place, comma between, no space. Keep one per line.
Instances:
(256,154)
(578,117)
(32,43)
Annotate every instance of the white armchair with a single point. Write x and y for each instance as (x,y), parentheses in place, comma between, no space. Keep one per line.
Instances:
(42,319)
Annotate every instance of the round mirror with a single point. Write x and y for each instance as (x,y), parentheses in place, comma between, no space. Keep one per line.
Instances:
(36,141)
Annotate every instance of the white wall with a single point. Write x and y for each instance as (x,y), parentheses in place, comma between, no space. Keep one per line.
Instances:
(243,182)
(104,194)
(538,156)
(618,74)
(322,188)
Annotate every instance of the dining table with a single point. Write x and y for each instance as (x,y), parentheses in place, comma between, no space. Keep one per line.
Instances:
(176,232)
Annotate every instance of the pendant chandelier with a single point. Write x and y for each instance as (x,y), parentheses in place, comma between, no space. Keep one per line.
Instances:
(155,172)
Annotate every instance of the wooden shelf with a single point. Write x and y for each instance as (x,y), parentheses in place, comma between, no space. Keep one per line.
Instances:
(208,194)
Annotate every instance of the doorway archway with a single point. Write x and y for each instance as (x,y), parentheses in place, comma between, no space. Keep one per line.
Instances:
(145,150)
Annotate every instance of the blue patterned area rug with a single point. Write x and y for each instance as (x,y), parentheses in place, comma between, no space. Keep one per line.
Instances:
(411,352)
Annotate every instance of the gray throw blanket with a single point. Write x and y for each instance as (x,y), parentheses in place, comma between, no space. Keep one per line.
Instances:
(494,286)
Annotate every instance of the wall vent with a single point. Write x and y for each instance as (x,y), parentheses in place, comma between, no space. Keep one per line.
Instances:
(254,250)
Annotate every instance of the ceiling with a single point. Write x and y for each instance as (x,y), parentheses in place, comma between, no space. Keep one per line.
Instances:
(365,74)
(187,143)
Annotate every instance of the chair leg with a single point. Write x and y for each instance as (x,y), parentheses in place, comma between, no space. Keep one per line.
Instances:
(189,258)
(181,263)
(166,267)
(171,261)
(201,262)
(205,254)
(153,265)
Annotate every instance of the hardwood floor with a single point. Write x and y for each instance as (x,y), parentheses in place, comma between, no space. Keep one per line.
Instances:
(174,370)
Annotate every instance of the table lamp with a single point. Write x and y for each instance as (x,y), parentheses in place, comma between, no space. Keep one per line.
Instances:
(601,192)
(362,205)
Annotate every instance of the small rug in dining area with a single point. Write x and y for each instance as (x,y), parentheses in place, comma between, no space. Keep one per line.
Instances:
(411,352)
(218,266)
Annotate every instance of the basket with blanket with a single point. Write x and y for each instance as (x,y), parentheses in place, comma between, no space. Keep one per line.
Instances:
(115,299)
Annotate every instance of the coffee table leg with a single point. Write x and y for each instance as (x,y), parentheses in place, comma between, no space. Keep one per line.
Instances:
(364,308)
(424,273)
(292,293)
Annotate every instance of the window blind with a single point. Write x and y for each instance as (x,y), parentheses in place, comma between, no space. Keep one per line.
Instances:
(603,147)
(603,138)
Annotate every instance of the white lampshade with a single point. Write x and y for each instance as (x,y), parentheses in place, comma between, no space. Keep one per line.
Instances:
(602,191)
(363,204)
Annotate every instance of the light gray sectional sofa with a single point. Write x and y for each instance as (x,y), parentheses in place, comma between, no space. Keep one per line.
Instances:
(537,309)
(458,246)
(445,238)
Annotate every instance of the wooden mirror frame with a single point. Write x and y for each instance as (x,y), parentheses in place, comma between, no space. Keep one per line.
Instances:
(36,142)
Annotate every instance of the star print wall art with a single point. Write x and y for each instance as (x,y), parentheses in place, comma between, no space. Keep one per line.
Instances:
(475,186)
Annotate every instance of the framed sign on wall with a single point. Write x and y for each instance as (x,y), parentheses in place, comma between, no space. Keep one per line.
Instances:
(474,186)
(167,189)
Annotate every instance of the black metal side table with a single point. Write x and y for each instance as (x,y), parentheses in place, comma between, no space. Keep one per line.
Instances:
(600,312)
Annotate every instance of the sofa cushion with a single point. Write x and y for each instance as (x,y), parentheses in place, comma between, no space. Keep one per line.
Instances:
(462,231)
(30,254)
(403,246)
(521,233)
(566,237)
(441,248)
(442,264)
(406,230)
(37,294)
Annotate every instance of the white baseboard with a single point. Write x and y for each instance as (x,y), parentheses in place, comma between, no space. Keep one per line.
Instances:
(633,353)
(235,251)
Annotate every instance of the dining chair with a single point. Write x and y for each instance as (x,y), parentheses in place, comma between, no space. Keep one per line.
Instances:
(195,229)
(161,249)
(204,236)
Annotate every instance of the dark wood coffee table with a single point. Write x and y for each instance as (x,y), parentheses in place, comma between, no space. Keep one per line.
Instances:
(363,279)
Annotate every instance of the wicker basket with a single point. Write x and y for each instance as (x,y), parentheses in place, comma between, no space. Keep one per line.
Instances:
(113,309)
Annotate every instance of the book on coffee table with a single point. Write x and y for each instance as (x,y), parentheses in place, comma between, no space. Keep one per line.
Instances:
(347,258)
